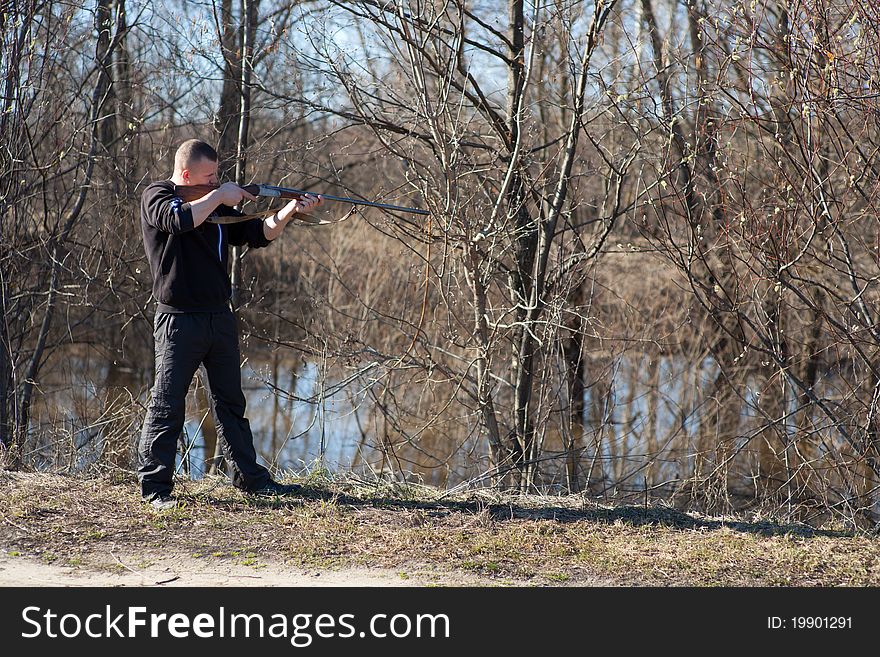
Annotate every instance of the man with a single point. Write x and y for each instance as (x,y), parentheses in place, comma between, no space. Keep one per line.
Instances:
(194,324)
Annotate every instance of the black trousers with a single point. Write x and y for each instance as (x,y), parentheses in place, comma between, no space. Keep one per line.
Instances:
(184,342)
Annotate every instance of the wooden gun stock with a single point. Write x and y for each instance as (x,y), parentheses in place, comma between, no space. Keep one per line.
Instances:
(190,193)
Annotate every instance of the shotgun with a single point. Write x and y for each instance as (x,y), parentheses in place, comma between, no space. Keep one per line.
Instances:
(194,192)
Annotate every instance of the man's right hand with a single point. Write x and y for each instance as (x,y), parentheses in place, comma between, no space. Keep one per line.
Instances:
(226,194)
(231,194)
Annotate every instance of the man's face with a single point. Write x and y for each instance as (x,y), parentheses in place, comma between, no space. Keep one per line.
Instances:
(201,172)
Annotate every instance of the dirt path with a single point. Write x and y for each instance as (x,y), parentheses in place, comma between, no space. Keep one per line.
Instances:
(146,570)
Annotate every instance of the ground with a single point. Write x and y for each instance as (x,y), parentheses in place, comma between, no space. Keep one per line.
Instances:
(139,569)
(94,530)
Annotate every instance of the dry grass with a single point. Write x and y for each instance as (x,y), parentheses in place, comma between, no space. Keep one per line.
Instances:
(348,523)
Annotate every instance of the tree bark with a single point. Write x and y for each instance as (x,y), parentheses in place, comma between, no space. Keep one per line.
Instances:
(247,33)
(56,245)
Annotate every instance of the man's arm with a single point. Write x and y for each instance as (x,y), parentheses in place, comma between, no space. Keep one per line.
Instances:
(227,194)
(273,226)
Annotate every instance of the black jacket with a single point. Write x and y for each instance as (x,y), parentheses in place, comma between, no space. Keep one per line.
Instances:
(189,265)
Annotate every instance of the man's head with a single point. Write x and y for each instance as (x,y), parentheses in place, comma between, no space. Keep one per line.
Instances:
(195,163)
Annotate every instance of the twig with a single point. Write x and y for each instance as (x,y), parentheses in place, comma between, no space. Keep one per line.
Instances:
(24,529)
(119,561)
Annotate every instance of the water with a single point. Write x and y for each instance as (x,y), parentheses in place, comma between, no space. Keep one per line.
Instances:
(301,418)
(640,427)
(76,409)
(294,425)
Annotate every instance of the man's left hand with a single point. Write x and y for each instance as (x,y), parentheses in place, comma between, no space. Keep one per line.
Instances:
(303,205)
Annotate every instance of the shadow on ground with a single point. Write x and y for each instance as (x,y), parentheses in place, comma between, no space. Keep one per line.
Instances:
(633,515)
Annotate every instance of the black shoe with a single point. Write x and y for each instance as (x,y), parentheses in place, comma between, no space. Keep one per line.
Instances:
(271,488)
(163,502)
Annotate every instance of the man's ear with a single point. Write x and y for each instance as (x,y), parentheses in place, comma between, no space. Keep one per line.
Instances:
(185,175)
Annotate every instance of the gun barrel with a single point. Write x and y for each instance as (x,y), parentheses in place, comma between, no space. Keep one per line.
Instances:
(286,192)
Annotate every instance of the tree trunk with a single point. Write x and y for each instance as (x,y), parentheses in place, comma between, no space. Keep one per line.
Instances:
(227,122)
(247,34)
(499,460)
(576,371)
(12,116)
(212,454)
(56,245)
(536,239)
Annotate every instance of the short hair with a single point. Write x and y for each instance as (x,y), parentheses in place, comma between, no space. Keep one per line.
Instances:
(192,150)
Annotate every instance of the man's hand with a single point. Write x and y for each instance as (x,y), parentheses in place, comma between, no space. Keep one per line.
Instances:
(304,204)
(226,194)
(231,194)
(273,226)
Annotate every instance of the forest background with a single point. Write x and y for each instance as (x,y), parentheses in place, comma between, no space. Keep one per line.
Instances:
(650,268)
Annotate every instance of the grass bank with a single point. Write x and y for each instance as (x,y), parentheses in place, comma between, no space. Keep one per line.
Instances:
(505,539)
